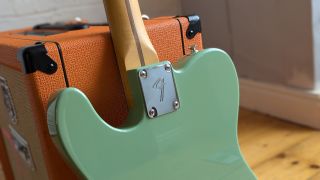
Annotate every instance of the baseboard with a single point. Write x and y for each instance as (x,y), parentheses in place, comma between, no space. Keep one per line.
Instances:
(290,104)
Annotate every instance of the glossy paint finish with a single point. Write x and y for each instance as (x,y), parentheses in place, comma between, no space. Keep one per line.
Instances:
(199,141)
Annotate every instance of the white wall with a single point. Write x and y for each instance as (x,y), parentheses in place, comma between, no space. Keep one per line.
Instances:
(155,8)
(270,41)
(22,13)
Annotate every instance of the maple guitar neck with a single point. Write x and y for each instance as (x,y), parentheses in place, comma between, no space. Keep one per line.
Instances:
(131,41)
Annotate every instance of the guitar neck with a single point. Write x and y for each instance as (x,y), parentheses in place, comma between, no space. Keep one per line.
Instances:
(131,41)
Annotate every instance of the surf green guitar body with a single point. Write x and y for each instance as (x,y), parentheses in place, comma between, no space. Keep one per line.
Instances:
(196,142)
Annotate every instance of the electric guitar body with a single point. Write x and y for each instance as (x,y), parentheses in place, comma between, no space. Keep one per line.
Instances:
(182,122)
(197,141)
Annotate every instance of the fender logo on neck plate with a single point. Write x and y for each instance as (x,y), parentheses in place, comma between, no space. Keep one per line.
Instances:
(159,89)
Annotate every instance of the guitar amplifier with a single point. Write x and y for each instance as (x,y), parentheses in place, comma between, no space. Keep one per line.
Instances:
(36,62)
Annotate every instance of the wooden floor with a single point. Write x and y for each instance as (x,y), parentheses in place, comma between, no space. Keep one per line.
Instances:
(277,150)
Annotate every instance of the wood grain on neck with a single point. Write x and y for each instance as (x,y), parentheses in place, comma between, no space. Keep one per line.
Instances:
(131,41)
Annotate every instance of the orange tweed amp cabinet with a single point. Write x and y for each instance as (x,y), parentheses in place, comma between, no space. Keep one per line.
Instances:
(36,62)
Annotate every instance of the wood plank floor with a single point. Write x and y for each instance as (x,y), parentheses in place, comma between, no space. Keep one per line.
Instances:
(277,150)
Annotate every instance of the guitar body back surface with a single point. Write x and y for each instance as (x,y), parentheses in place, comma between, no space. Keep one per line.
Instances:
(198,141)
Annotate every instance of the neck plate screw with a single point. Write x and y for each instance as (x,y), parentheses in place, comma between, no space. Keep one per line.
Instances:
(176,105)
(152,113)
(143,74)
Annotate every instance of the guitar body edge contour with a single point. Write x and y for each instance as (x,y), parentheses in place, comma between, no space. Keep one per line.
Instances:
(198,141)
